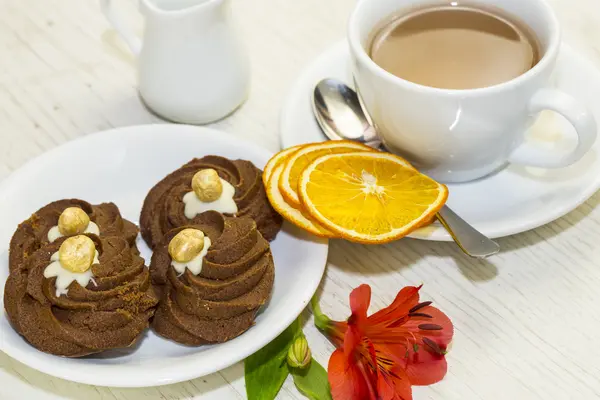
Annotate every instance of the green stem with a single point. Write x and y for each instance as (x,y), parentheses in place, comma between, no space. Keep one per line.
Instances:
(316,308)
(322,321)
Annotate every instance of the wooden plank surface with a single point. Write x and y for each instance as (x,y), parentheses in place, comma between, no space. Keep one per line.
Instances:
(526,321)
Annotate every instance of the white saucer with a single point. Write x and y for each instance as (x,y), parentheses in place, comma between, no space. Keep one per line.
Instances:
(513,200)
(121,165)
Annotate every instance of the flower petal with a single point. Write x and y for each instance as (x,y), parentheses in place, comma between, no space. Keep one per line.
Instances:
(336,332)
(394,385)
(429,368)
(345,379)
(360,298)
(406,299)
(352,340)
(441,337)
(422,367)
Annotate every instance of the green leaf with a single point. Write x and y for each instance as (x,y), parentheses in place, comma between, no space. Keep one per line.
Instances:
(312,381)
(266,370)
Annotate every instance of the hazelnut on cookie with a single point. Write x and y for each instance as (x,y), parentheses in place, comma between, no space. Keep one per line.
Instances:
(213,277)
(81,295)
(211,183)
(65,218)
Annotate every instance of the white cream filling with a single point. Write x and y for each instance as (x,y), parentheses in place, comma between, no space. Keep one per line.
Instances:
(195,264)
(224,204)
(64,277)
(54,233)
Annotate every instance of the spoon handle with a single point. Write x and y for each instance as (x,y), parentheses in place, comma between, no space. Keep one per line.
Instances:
(469,239)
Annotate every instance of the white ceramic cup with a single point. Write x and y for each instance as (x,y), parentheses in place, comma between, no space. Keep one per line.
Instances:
(461,135)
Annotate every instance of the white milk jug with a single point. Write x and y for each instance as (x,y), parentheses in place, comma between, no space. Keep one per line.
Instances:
(192,66)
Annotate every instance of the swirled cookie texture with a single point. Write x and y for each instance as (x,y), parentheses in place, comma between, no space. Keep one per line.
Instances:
(81,295)
(224,275)
(232,187)
(66,218)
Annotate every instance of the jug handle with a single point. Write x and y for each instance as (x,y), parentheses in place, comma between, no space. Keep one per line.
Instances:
(132,41)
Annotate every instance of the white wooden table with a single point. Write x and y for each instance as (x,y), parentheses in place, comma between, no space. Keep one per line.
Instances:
(527,321)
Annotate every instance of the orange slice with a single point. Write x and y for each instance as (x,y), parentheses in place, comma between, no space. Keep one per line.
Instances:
(369,197)
(275,160)
(298,161)
(296,216)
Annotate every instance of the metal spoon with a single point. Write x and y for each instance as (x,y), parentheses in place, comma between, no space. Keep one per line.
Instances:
(340,115)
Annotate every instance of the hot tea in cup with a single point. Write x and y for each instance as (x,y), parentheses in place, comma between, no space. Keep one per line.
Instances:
(452,47)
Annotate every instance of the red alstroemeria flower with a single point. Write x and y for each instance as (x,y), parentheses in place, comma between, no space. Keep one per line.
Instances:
(380,356)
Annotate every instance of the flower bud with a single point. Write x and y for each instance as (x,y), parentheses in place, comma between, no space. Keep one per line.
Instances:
(299,353)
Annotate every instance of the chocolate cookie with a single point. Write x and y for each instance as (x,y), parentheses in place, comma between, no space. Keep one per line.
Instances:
(221,301)
(60,316)
(164,207)
(33,233)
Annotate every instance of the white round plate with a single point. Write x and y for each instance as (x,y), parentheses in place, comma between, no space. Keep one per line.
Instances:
(511,201)
(121,165)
